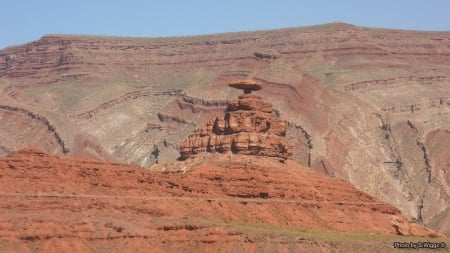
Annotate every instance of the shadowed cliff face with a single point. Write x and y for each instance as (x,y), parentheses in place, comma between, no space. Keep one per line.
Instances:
(362,104)
(227,202)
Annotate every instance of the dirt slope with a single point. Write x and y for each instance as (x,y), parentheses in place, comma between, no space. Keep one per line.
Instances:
(231,203)
(362,104)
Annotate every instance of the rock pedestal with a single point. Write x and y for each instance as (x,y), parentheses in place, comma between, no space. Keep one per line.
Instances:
(248,128)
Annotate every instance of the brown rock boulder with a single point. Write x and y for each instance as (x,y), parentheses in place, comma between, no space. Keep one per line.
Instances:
(261,145)
(250,103)
(253,121)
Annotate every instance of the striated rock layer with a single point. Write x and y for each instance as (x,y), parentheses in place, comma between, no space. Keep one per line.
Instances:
(360,99)
(248,128)
(252,204)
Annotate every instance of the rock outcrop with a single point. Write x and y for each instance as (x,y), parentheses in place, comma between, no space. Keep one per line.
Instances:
(247,85)
(334,81)
(248,128)
(60,204)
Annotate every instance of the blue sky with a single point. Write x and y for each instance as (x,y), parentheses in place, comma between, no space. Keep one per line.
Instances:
(24,21)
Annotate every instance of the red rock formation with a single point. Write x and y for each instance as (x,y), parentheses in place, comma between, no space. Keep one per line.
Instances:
(60,204)
(248,128)
(334,81)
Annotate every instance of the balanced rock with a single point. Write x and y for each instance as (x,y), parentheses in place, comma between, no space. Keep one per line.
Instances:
(247,85)
(248,128)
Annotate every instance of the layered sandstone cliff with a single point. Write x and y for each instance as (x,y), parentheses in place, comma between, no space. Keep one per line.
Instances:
(357,99)
(60,204)
(248,128)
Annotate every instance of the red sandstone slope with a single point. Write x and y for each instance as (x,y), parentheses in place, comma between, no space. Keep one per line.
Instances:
(235,203)
(362,104)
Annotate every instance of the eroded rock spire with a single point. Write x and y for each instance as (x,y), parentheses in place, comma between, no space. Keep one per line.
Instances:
(248,128)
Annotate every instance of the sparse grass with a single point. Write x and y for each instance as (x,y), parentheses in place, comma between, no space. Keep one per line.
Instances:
(341,241)
(330,236)
(3,245)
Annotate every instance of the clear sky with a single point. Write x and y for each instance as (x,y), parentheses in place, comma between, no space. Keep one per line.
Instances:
(27,20)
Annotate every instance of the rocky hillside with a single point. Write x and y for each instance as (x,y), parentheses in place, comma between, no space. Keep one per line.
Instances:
(210,203)
(370,106)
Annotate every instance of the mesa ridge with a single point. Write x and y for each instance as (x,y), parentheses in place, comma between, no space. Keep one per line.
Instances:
(355,98)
